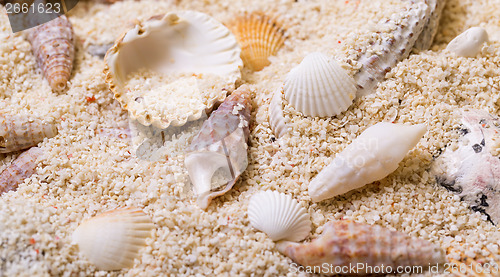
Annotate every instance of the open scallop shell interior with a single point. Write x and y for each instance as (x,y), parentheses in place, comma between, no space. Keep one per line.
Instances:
(259,36)
(279,216)
(112,240)
(318,86)
(171,68)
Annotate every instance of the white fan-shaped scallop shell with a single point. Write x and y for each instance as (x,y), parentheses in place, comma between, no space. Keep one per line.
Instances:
(318,86)
(277,120)
(279,216)
(112,240)
(198,54)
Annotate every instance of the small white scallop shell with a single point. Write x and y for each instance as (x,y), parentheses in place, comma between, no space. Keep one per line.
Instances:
(318,86)
(279,216)
(277,120)
(112,240)
(372,156)
(468,43)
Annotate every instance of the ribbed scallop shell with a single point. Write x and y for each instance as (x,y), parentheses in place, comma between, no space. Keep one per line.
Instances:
(54,47)
(220,147)
(318,86)
(21,168)
(20,132)
(372,156)
(186,42)
(112,240)
(277,120)
(345,243)
(259,37)
(279,216)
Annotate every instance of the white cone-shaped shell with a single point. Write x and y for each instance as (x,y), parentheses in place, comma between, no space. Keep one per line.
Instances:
(112,240)
(318,86)
(279,216)
(468,43)
(186,42)
(372,156)
(277,120)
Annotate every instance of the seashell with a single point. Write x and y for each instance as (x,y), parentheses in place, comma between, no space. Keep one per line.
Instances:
(467,266)
(277,120)
(20,169)
(426,38)
(21,132)
(472,169)
(407,26)
(372,156)
(171,68)
(318,86)
(53,45)
(259,36)
(468,43)
(279,216)
(344,242)
(112,240)
(218,153)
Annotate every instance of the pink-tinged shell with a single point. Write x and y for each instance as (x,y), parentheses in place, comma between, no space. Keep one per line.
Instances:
(53,45)
(21,132)
(221,144)
(234,112)
(21,168)
(345,242)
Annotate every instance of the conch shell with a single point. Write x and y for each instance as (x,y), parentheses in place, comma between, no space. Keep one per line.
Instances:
(218,153)
(345,243)
(54,47)
(407,27)
(21,132)
(372,156)
(21,168)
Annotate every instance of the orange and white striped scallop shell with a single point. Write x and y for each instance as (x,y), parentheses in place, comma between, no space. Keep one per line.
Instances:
(53,44)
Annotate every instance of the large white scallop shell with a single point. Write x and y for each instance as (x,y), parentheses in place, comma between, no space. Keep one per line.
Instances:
(279,216)
(112,240)
(318,86)
(196,56)
(468,43)
(277,120)
(372,156)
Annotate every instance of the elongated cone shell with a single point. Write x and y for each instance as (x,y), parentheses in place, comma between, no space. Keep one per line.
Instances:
(372,156)
(259,37)
(221,145)
(279,216)
(408,26)
(112,240)
(426,38)
(318,86)
(54,47)
(277,120)
(21,132)
(21,168)
(345,243)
